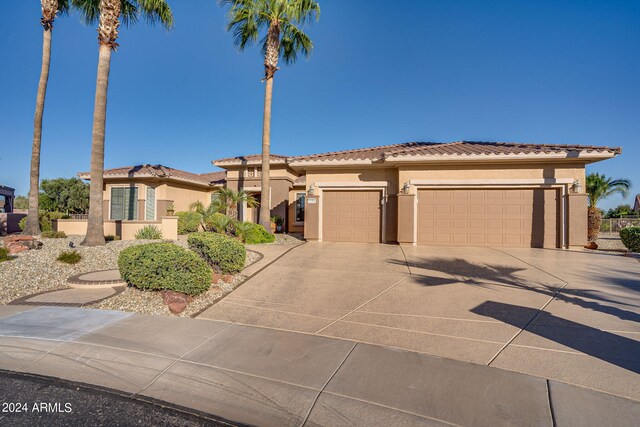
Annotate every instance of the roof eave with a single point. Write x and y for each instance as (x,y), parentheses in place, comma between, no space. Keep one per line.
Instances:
(146,176)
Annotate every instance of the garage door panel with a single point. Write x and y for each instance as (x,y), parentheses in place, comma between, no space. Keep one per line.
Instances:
(489,217)
(351,216)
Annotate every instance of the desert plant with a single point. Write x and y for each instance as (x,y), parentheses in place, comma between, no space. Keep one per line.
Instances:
(600,187)
(164,266)
(223,253)
(188,222)
(4,254)
(230,199)
(241,229)
(149,232)
(111,238)
(53,234)
(69,257)
(630,237)
(220,223)
(257,234)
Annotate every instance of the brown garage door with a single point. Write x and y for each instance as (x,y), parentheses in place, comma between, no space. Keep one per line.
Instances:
(351,216)
(489,217)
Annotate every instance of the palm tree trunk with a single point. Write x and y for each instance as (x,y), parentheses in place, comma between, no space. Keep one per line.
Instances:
(95,227)
(32,226)
(265,197)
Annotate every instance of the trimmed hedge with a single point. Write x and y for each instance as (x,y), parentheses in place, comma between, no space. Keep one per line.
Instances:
(223,253)
(164,266)
(630,237)
(258,234)
(188,222)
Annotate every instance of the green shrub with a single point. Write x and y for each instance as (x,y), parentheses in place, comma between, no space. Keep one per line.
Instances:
(258,234)
(56,215)
(631,238)
(188,222)
(54,234)
(111,238)
(222,252)
(45,222)
(4,254)
(164,266)
(149,232)
(69,257)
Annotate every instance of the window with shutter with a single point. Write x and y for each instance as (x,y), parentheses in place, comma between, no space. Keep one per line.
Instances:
(124,203)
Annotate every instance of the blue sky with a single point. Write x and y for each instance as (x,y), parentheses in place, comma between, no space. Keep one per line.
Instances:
(382,72)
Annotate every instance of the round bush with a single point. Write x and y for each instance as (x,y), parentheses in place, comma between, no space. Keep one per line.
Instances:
(164,266)
(222,252)
(188,222)
(4,254)
(630,237)
(258,234)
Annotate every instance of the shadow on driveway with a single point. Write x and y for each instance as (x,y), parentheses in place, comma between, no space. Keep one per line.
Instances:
(592,341)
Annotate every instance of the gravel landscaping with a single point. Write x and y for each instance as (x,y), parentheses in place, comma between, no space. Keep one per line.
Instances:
(610,242)
(38,271)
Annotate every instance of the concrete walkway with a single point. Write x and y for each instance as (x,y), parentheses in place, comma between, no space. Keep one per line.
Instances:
(267,377)
(564,315)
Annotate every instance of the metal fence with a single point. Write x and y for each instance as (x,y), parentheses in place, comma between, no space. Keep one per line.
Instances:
(617,224)
(79,216)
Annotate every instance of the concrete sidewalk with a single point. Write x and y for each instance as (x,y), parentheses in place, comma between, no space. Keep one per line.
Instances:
(261,376)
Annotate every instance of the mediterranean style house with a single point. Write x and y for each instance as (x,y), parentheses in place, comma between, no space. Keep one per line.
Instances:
(455,194)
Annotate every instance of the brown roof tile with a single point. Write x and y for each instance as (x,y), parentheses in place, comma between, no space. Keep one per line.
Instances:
(460,148)
(248,158)
(161,171)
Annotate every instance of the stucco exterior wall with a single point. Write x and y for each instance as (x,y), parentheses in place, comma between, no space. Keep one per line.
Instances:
(293,226)
(493,171)
(125,229)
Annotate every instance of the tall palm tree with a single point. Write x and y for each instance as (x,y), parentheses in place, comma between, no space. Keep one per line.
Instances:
(50,9)
(109,14)
(600,187)
(282,23)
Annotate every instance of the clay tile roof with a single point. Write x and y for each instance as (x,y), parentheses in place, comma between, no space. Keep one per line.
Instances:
(460,148)
(160,171)
(250,158)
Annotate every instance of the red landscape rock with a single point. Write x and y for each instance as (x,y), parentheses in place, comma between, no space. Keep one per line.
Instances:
(591,245)
(228,278)
(169,297)
(177,307)
(17,238)
(215,278)
(15,248)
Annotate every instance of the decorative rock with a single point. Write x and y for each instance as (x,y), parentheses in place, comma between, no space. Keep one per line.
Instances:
(215,278)
(17,238)
(177,307)
(170,297)
(32,244)
(591,245)
(228,278)
(15,248)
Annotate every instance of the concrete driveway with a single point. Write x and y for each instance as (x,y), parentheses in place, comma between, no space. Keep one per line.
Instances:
(563,315)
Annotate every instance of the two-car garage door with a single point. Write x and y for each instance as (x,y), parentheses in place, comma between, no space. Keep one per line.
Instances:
(499,217)
(489,217)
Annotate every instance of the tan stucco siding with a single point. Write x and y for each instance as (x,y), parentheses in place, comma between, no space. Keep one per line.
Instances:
(293,226)
(389,175)
(183,196)
(492,171)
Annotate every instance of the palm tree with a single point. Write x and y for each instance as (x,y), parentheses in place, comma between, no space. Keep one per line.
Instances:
(109,14)
(600,187)
(283,22)
(230,199)
(50,9)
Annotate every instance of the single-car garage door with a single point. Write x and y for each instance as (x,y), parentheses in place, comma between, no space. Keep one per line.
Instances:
(489,217)
(351,216)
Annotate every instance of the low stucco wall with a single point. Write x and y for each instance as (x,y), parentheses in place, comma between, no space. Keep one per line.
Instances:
(125,229)
(9,222)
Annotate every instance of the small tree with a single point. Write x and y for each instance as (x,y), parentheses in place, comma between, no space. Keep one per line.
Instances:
(600,187)
(231,199)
